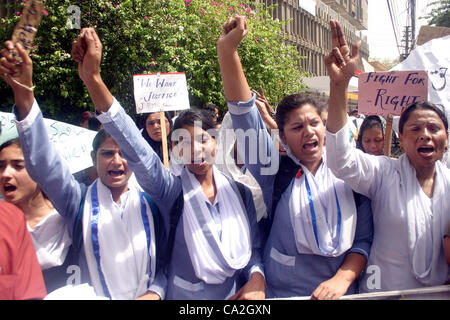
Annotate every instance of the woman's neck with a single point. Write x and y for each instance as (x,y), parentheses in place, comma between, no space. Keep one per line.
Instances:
(207,183)
(425,177)
(36,209)
(117,192)
(312,166)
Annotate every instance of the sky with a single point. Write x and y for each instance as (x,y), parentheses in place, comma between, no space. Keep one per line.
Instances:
(380,34)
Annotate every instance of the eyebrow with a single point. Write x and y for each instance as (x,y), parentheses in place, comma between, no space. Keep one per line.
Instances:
(13,160)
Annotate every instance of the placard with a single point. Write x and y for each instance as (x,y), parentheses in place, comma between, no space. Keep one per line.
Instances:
(387,93)
(160,92)
(73,143)
(26,28)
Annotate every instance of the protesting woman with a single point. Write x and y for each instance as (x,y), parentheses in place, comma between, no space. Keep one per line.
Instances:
(216,243)
(111,222)
(47,228)
(409,196)
(319,238)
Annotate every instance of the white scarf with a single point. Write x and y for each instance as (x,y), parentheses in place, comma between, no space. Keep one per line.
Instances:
(225,163)
(426,228)
(215,260)
(51,240)
(122,242)
(327,234)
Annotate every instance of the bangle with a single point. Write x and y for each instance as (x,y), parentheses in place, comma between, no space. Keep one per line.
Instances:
(22,85)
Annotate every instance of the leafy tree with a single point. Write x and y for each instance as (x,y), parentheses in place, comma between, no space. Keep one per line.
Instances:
(440,13)
(148,37)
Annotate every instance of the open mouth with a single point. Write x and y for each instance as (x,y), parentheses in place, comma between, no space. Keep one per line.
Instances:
(9,188)
(310,145)
(425,150)
(116,173)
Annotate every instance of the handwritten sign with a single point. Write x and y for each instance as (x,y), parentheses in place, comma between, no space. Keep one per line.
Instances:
(73,143)
(387,93)
(160,91)
(26,28)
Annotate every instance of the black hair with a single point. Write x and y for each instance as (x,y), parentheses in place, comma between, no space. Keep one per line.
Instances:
(369,122)
(191,117)
(11,142)
(99,138)
(293,102)
(16,142)
(424,105)
(94,123)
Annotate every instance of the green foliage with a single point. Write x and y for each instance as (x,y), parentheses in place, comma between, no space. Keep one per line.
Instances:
(148,37)
(439,14)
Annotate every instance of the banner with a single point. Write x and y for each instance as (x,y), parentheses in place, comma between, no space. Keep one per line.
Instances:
(160,92)
(434,57)
(387,93)
(73,143)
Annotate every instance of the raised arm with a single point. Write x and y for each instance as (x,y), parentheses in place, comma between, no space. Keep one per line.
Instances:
(341,67)
(87,52)
(234,82)
(21,82)
(43,163)
(163,187)
(260,156)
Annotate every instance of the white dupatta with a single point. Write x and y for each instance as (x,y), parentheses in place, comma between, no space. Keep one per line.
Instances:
(426,228)
(215,259)
(120,251)
(51,240)
(323,212)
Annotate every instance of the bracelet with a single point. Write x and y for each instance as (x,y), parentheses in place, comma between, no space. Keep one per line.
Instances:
(21,84)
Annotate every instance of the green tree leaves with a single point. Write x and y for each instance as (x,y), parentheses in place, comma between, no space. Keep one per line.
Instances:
(154,36)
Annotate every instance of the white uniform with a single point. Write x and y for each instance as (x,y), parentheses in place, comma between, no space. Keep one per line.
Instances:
(407,250)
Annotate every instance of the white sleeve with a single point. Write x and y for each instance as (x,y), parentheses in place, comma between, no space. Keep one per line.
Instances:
(360,170)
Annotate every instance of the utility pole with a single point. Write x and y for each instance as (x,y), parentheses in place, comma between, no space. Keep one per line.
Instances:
(409,36)
(412,8)
(406,40)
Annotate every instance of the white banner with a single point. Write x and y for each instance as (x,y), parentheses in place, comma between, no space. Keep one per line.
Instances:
(308,5)
(434,57)
(73,143)
(160,92)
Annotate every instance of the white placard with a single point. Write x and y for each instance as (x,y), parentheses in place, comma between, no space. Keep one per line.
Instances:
(160,92)
(73,143)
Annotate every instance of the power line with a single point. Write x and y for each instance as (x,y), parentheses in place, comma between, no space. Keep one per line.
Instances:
(393,26)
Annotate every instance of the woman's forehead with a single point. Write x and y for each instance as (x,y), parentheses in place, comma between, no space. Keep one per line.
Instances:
(423,115)
(304,111)
(153,116)
(109,143)
(13,151)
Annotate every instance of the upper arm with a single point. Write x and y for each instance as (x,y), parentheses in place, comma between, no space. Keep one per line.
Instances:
(151,174)
(254,144)
(360,170)
(47,169)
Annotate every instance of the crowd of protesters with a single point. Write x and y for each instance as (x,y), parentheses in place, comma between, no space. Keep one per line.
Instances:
(310,207)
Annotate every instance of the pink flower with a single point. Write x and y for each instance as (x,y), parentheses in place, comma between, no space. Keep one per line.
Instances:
(152,59)
(146,18)
(18,13)
(45,12)
(176,44)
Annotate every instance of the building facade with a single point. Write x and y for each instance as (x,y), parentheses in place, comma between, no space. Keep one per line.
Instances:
(309,28)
